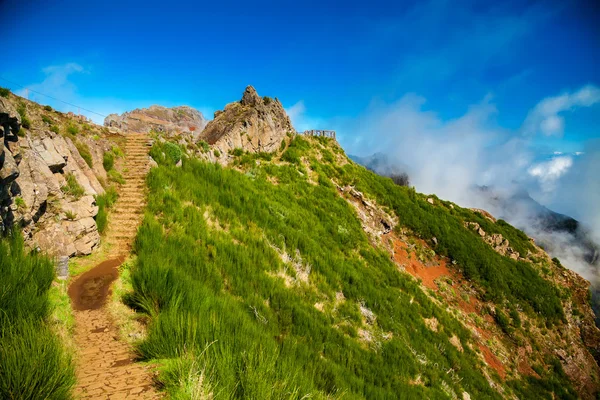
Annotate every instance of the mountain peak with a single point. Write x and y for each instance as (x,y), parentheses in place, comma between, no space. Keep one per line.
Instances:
(250,97)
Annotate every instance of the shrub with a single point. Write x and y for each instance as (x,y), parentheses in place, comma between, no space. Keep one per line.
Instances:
(115,176)
(70,215)
(217,153)
(108,161)
(502,321)
(19,202)
(73,187)
(173,152)
(105,202)
(46,120)
(116,150)
(4,92)
(48,108)
(237,152)
(54,128)
(84,152)
(21,132)
(203,146)
(267,100)
(72,129)
(22,110)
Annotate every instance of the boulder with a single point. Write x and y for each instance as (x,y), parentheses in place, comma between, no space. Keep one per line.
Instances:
(46,149)
(83,208)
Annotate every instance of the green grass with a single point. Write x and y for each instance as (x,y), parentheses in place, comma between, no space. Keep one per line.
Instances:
(108,161)
(84,152)
(104,202)
(72,187)
(115,176)
(25,121)
(258,338)
(223,321)
(72,129)
(33,363)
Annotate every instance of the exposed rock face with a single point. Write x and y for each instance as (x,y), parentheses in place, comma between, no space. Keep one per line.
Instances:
(33,171)
(496,241)
(171,121)
(253,124)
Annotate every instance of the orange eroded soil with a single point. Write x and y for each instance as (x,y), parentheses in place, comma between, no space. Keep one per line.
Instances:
(430,275)
(105,364)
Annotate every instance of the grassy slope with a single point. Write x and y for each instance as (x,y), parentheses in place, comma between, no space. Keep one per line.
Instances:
(210,275)
(33,362)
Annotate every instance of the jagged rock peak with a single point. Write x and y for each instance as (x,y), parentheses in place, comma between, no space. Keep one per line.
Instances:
(253,124)
(250,97)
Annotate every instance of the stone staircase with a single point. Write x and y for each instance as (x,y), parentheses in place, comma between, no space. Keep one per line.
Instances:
(106,367)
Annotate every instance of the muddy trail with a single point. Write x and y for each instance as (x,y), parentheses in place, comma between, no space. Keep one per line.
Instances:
(105,364)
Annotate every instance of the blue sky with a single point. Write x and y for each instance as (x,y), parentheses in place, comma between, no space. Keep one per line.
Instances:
(382,73)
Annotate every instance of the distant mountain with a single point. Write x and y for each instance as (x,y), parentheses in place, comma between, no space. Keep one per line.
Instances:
(175,120)
(543,224)
(381,164)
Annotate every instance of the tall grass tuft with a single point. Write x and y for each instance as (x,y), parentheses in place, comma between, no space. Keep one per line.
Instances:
(33,364)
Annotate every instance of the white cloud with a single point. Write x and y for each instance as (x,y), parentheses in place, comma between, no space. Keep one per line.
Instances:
(545,116)
(300,120)
(548,172)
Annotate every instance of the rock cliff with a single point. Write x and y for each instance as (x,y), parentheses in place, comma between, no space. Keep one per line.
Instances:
(171,121)
(252,124)
(46,186)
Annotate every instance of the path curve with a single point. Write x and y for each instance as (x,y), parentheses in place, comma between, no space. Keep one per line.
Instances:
(105,364)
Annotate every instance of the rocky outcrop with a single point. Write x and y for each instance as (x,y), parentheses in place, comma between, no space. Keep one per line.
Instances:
(34,169)
(252,124)
(500,244)
(10,123)
(171,121)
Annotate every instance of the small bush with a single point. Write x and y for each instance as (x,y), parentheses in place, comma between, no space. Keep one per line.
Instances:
(267,100)
(21,133)
(84,152)
(217,153)
(22,110)
(20,203)
(203,146)
(54,128)
(105,202)
(70,215)
(4,92)
(502,321)
(72,129)
(115,176)
(173,152)
(116,150)
(237,152)
(73,187)
(108,161)
(46,120)
(48,108)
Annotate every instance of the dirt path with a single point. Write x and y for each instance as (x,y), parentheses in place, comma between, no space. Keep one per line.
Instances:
(105,367)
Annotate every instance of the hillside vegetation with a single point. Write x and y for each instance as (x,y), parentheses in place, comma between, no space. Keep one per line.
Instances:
(259,282)
(33,362)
